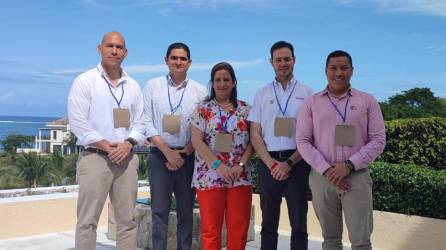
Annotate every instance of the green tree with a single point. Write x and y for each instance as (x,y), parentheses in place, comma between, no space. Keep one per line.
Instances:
(414,103)
(32,168)
(8,176)
(61,170)
(13,141)
(71,142)
(142,167)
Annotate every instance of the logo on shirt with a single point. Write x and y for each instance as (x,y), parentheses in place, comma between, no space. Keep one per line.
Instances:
(352,107)
(271,101)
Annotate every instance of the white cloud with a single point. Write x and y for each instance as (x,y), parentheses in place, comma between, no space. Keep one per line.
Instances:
(235,64)
(426,7)
(210,4)
(67,72)
(436,48)
(146,69)
(8,97)
(162,68)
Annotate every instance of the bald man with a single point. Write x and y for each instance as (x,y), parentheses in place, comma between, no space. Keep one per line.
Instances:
(105,106)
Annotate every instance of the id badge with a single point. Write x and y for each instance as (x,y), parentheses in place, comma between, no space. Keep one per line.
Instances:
(283,126)
(345,135)
(121,118)
(171,124)
(223,142)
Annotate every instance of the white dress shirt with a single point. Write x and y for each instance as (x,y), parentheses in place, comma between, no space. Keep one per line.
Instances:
(156,104)
(91,104)
(265,109)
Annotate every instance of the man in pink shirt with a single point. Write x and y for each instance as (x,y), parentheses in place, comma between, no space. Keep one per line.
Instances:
(339,132)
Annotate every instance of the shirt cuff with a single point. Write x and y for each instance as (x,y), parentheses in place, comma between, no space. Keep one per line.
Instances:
(137,136)
(322,169)
(357,162)
(90,138)
(152,132)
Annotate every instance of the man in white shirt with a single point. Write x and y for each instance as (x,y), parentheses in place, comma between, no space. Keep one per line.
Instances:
(169,102)
(105,109)
(281,170)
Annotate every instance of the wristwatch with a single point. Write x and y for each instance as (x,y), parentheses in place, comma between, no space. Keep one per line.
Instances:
(131,141)
(289,162)
(242,165)
(350,165)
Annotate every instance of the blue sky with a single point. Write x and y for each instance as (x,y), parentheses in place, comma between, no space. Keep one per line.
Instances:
(395,44)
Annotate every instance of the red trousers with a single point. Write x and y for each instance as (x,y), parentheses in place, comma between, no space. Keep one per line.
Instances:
(232,204)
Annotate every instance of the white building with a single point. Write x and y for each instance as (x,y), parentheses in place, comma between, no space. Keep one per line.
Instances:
(54,137)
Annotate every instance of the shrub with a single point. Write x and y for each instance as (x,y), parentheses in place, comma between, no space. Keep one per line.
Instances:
(405,189)
(416,141)
(409,189)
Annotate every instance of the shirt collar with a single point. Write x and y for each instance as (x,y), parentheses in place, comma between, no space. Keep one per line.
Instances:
(103,73)
(172,83)
(350,92)
(292,80)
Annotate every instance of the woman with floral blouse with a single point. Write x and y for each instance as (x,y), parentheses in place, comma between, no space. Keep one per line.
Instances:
(222,177)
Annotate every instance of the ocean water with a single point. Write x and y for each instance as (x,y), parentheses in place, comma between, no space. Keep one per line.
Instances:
(23,125)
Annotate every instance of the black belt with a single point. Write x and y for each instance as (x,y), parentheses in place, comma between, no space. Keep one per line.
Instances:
(96,151)
(282,155)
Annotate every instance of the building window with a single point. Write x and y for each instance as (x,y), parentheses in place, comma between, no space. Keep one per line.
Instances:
(54,135)
(57,148)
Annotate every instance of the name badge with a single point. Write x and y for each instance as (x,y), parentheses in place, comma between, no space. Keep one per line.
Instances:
(121,118)
(223,142)
(283,126)
(171,124)
(345,135)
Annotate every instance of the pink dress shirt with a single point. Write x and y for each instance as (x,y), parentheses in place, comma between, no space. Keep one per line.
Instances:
(315,129)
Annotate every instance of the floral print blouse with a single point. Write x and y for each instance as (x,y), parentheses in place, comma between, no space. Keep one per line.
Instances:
(207,119)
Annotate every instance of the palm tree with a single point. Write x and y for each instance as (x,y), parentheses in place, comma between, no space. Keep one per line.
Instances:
(31,167)
(71,143)
(61,169)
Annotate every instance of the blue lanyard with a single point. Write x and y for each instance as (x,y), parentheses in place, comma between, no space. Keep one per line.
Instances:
(174,109)
(224,125)
(344,117)
(114,97)
(283,111)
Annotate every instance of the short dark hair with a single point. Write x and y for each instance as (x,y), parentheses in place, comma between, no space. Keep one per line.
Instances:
(228,68)
(281,44)
(178,46)
(339,53)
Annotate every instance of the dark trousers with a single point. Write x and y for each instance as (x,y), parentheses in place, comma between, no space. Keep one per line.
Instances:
(163,183)
(295,190)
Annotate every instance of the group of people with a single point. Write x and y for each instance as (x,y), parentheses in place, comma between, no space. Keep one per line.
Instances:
(202,141)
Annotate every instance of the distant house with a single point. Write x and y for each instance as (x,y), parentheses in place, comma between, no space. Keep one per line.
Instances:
(54,137)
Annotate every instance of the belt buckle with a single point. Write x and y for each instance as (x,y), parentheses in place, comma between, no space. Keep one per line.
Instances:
(280,154)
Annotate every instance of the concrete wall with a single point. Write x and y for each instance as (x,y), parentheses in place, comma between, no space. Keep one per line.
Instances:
(392,231)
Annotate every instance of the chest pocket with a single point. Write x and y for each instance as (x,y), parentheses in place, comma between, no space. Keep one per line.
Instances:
(294,105)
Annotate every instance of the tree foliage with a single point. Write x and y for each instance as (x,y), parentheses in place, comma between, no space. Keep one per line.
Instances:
(419,141)
(13,141)
(61,171)
(31,167)
(414,103)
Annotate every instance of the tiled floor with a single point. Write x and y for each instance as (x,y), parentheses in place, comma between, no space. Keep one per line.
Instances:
(65,241)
